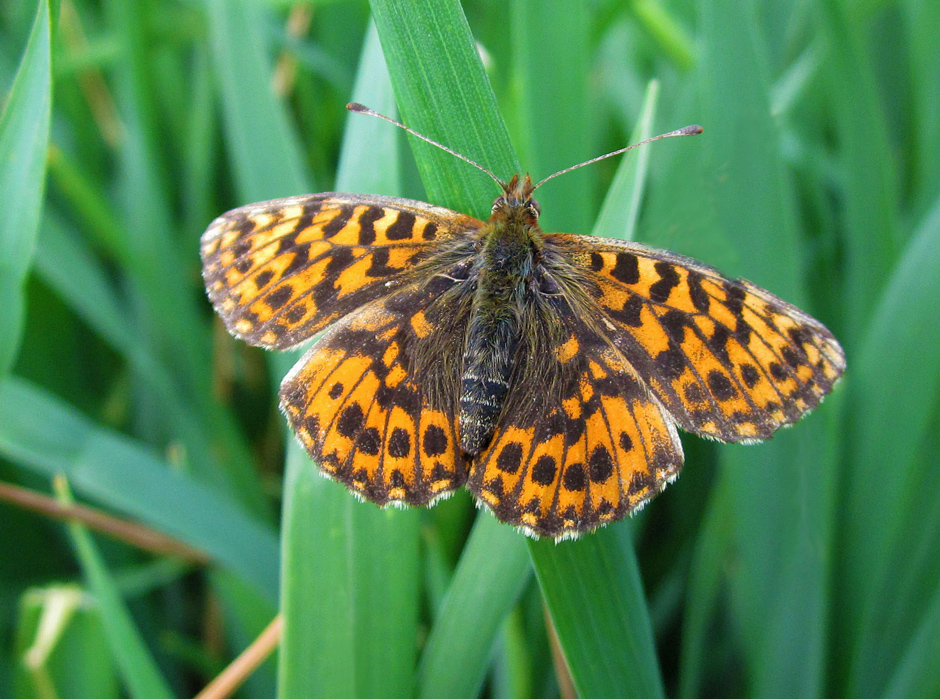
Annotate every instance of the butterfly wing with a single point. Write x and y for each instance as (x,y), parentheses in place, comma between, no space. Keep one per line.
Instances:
(374,401)
(729,360)
(279,271)
(581,442)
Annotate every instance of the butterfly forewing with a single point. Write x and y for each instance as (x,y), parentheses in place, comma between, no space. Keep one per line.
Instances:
(280,271)
(728,359)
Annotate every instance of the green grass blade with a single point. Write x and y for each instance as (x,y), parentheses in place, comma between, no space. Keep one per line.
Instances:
(704,590)
(61,645)
(593,590)
(24,139)
(168,309)
(317,657)
(443,93)
(413,69)
(492,572)
(357,636)
(49,438)
(555,107)
(597,579)
(65,263)
(265,154)
(869,169)
(921,17)
(781,527)
(385,563)
(891,430)
(621,210)
(916,674)
(137,665)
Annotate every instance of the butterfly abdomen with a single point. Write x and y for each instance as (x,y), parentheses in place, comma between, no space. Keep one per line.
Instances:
(493,335)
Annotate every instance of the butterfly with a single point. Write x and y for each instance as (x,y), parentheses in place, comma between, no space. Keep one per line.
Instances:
(547,372)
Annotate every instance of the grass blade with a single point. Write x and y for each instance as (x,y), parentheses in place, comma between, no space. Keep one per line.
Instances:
(880,535)
(492,572)
(443,93)
(137,665)
(593,590)
(621,210)
(264,150)
(24,140)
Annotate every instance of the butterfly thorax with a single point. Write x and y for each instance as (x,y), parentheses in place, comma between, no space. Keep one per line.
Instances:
(505,270)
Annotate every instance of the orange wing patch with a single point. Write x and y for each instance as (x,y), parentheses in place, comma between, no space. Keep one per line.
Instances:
(355,402)
(281,271)
(600,447)
(728,359)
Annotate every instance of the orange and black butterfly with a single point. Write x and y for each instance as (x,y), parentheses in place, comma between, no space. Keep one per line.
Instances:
(547,372)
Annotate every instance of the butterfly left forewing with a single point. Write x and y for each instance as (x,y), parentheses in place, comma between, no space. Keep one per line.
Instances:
(728,359)
(280,271)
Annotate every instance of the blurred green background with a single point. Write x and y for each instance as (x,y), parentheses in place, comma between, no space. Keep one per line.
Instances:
(807,566)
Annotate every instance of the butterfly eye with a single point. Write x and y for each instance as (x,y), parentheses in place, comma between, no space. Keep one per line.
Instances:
(499,204)
(533,208)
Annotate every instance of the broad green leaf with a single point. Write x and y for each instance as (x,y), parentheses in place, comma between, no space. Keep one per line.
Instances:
(49,438)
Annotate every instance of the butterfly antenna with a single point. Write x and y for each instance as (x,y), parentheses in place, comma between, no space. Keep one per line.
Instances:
(362,109)
(693,130)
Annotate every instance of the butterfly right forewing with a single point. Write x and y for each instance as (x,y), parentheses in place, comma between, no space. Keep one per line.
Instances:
(728,359)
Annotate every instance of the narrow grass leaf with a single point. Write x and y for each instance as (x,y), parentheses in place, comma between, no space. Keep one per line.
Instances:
(385,562)
(265,154)
(621,209)
(490,576)
(443,93)
(62,647)
(916,674)
(554,106)
(317,656)
(891,431)
(781,493)
(593,590)
(24,139)
(592,587)
(868,167)
(702,600)
(357,636)
(48,437)
(137,665)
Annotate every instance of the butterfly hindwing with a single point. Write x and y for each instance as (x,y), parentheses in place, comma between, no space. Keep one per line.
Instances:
(279,271)
(728,359)
(372,409)
(581,442)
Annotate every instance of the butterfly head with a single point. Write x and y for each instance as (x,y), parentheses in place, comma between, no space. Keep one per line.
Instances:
(516,202)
